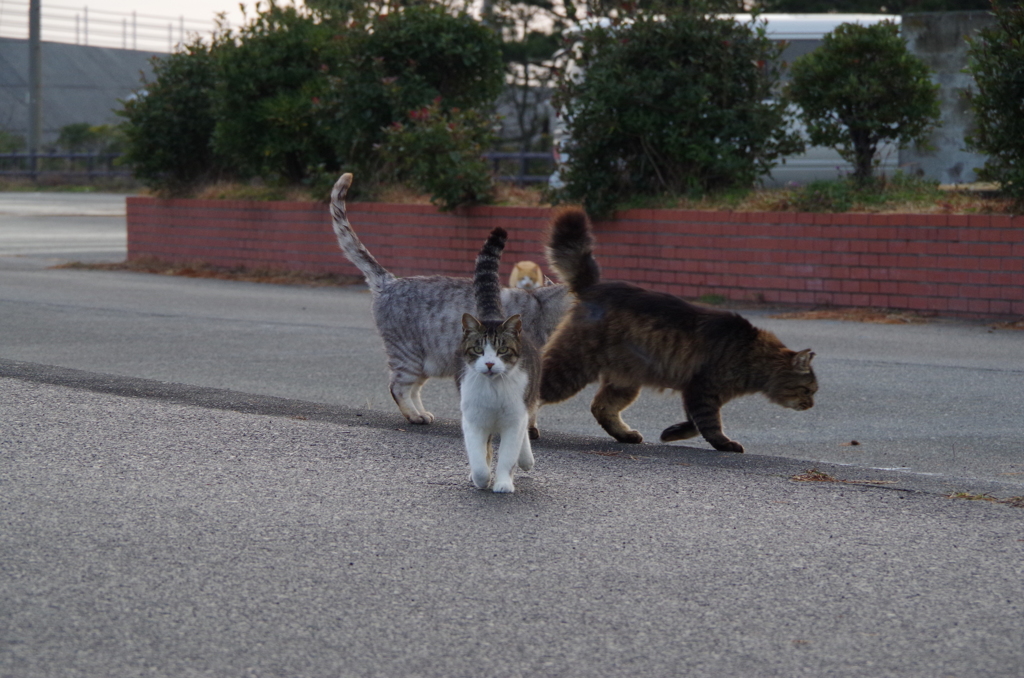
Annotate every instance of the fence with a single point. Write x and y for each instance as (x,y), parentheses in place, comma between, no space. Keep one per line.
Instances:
(89,165)
(106,165)
(98,28)
(516,167)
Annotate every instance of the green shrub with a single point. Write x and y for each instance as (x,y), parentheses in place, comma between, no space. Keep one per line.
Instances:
(271,79)
(862,88)
(295,96)
(441,152)
(10,142)
(408,60)
(849,194)
(170,120)
(996,60)
(82,137)
(679,105)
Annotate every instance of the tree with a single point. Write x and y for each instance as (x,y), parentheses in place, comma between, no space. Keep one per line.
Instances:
(996,60)
(169,121)
(270,81)
(10,142)
(81,137)
(295,95)
(861,88)
(672,105)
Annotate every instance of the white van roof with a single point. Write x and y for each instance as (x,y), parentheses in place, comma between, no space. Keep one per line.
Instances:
(811,26)
(778,26)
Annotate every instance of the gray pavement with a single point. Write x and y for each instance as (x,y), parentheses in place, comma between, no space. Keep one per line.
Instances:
(209,478)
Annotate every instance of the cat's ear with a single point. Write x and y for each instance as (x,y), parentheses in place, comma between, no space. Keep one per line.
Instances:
(548,282)
(513,324)
(470,324)
(802,360)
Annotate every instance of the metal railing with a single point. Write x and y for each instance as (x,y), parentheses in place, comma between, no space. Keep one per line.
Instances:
(98,28)
(521,167)
(513,167)
(89,165)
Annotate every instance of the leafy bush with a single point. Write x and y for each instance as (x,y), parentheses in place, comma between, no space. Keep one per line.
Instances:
(441,152)
(996,60)
(860,88)
(677,105)
(271,78)
(10,142)
(407,61)
(295,96)
(169,122)
(82,137)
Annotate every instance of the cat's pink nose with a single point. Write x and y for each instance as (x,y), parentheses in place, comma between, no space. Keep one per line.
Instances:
(489,365)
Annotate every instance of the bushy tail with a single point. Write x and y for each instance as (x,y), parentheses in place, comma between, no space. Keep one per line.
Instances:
(376,275)
(570,250)
(486,283)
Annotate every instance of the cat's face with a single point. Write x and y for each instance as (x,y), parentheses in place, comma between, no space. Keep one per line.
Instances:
(491,348)
(794,387)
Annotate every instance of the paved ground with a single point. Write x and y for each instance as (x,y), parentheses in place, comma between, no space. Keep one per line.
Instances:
(202,478)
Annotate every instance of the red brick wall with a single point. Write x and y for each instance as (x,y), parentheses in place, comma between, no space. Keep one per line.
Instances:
(950,264)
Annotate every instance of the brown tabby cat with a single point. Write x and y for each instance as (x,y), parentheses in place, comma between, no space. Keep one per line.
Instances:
(629,337)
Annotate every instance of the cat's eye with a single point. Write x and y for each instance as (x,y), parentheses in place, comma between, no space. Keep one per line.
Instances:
(503,350)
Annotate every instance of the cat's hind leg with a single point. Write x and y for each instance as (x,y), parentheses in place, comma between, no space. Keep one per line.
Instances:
(706,413)
(609,402)
(405,389)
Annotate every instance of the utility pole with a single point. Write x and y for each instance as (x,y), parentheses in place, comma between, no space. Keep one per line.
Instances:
(35,85)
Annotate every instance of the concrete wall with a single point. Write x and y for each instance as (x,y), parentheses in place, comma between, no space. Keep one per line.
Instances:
(949,264)
(940,40)
(80,84)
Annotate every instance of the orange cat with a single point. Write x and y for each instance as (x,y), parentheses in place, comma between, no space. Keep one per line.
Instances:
(526,275)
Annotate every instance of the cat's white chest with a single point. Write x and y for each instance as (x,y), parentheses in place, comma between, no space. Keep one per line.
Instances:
(492,401)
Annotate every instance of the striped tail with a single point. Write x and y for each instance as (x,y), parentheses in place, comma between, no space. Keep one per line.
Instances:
(376,275)
(570,250)
(486,283)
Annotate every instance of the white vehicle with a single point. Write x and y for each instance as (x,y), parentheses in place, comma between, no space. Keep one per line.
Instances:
(803,33)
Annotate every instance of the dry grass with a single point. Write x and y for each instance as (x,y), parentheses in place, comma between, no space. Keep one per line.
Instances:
(918,198)
(239,273)
(883,316)
(1016,502)
(815,476)
(226,190)
(1009,325)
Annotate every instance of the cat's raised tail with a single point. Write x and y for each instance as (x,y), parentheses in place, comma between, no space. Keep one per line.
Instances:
(570,250)
(486,283)
(376,275)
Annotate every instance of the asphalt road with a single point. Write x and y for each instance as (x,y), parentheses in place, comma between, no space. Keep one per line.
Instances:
(206,478)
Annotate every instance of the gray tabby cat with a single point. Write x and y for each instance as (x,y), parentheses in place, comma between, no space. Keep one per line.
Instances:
(419,317)
(500,387)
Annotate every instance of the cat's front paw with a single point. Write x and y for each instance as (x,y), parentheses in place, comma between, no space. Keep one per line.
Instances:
(422,418)
(533,432)
(480,479)
(504,485)
(631,437)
